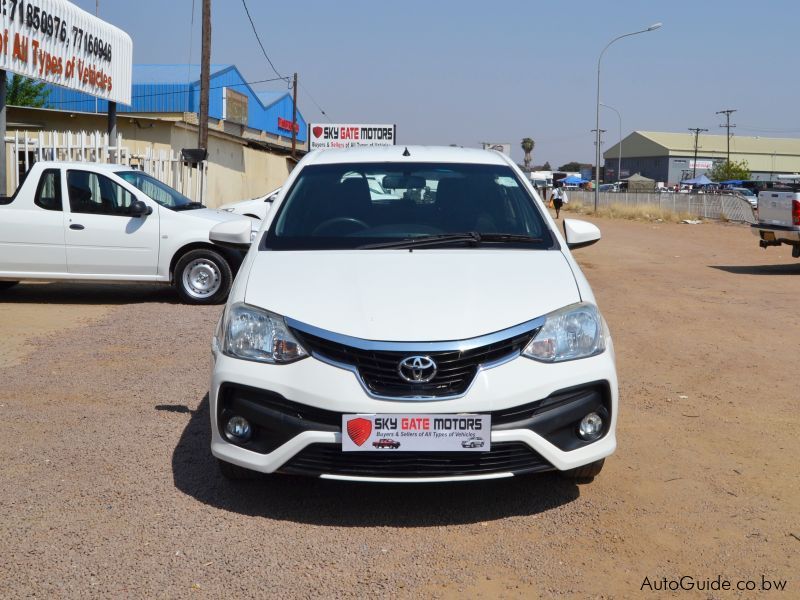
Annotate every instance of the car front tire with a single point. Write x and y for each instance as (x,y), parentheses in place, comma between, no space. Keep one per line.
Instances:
(586,473)
(203,277)
(235,472)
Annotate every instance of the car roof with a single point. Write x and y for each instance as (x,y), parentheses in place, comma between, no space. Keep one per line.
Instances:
(49,164)
(443,154)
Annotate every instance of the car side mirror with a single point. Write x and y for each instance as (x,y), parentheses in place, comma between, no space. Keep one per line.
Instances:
(580,233)
(140,209)
(234,234)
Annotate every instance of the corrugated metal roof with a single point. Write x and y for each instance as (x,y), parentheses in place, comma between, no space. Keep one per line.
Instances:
(647,143)
(171,73)
(270,98)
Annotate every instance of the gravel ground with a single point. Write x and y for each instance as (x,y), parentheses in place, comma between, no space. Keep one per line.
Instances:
(109,489)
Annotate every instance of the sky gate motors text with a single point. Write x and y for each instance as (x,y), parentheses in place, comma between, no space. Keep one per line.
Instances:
(358,133)
(426,423)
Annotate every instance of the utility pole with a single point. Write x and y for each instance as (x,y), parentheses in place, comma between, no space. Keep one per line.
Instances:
(598,142)
(294,117)
(205,75)
(727,112)
(696,131)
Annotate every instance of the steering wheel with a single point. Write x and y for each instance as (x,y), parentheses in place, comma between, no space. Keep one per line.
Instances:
(336,220)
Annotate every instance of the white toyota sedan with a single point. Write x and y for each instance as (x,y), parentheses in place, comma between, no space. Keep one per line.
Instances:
(446,310)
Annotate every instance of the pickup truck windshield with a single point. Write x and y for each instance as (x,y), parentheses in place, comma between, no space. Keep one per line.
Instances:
(158,191)
(414,205)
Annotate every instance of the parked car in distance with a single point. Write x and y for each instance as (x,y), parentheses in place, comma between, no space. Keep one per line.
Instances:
(349,305)
(747,193)
(100,222)
(256,208)
(386,443)
(779,218)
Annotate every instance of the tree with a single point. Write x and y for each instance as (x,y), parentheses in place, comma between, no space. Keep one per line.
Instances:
(527,147)
(570,166)
(546,166)
(26,92)
(725,171)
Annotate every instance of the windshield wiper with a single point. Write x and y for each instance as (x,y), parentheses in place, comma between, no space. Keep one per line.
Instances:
(189,206)
(472,238)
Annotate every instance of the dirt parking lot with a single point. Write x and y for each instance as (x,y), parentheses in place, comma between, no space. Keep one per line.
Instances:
(109,490)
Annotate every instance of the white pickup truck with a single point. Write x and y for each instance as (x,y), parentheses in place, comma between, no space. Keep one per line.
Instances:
(98,222)
(779,218)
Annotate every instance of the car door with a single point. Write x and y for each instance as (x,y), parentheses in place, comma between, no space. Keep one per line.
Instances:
(32,231)
(102,238)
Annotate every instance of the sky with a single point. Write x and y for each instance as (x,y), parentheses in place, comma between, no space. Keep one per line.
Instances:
(465,72)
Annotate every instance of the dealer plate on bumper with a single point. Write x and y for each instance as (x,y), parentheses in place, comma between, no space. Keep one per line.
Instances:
(416,433)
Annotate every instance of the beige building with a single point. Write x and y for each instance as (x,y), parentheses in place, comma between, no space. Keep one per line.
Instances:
(670,157)
(242,162)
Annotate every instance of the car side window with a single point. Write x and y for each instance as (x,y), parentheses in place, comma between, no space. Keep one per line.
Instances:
(97,194)
(48,193)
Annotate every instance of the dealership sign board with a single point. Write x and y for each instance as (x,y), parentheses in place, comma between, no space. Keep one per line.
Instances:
(349,135)
(701,164)
(57,42)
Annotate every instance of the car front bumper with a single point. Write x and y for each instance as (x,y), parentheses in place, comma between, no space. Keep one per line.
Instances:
(298,408)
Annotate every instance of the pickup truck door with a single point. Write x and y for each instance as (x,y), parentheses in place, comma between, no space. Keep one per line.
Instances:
(32,229)
(101,236)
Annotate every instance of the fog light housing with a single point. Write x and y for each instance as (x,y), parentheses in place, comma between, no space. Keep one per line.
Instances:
(591,427)
(238,429)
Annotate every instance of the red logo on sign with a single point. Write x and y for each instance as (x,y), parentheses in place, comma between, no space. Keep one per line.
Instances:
(317,131)
(359,430)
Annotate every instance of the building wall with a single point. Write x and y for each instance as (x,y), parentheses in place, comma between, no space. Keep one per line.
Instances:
(236,169)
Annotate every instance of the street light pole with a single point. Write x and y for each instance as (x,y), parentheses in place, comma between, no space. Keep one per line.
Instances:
(619,150)
(652,27)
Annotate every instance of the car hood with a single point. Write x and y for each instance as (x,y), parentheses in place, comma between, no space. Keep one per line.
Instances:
(212,214)
(425,295)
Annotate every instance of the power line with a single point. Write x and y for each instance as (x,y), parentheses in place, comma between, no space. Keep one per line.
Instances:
(319,108)
(258,38)
(215,87)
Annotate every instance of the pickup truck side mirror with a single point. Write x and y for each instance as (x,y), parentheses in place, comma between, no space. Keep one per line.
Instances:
(140,209)
(580,233)
(233,234)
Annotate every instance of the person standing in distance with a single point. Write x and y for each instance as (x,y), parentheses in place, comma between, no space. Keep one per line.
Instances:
(557,199)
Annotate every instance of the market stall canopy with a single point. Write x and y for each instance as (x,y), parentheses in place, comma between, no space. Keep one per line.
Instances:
(732,182)
(702,180)
(573,180)
(639,183)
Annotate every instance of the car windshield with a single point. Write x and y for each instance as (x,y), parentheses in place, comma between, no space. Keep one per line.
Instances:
(435,205)
(158,191)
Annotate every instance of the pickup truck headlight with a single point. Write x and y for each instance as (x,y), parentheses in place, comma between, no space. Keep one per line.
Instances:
(254,334)
(569,333)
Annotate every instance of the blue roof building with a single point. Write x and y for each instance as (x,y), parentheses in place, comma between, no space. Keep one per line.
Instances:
(176,89)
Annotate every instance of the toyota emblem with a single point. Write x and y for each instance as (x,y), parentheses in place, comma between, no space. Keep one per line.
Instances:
(417,369)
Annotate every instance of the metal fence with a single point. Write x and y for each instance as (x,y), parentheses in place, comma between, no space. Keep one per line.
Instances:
(165,165)
(707,206)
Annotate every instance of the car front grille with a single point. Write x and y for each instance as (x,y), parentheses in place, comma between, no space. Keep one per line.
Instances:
(328,459)
(378,369)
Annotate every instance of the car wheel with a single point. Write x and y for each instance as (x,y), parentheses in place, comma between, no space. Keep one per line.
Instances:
(586,473)
(4,285)
(203,277)
(235,472)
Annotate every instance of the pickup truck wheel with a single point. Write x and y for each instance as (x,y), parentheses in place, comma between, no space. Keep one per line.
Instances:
(235,472)
(586,473)
(203,277)
(4,285)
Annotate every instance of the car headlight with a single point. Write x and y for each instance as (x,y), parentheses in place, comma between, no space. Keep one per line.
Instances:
(576,331)
(254,334)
